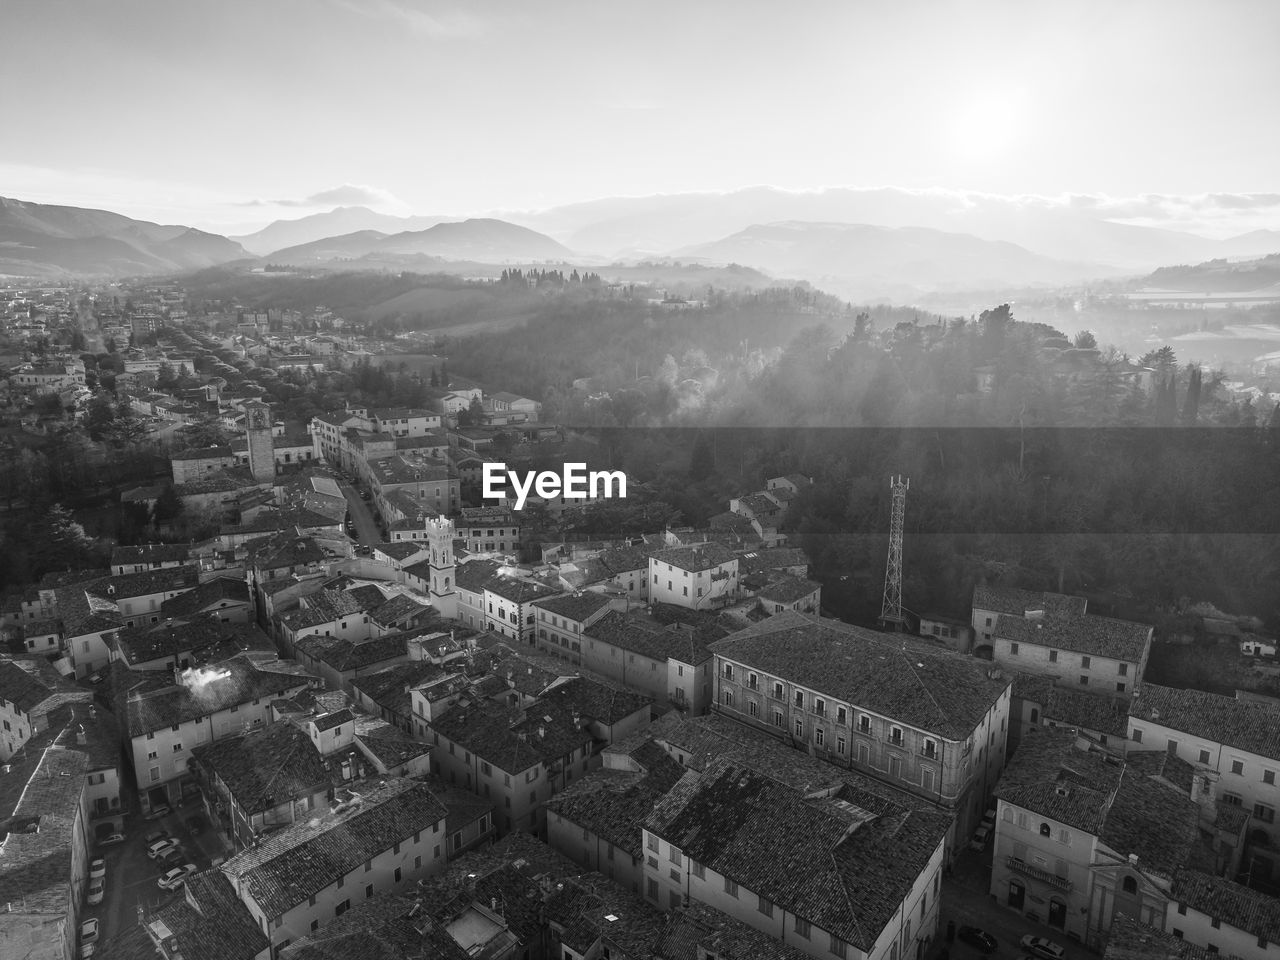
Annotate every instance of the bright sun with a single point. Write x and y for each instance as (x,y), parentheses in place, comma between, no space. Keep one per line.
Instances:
(986,126)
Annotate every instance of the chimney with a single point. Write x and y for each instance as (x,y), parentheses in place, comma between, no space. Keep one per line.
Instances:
(542,732)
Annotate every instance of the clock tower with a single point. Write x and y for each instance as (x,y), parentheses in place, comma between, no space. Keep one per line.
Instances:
(444,596)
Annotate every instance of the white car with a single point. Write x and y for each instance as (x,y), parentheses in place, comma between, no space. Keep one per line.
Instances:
(1042,947)
(97,868)
(159,847)
(97,890)
(89,930)
(176,877)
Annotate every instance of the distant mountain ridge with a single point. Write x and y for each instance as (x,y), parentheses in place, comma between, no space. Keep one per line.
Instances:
(869,260)
(49,240)
(481,239)
(337,222)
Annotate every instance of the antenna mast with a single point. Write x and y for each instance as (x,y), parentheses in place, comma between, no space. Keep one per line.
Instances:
(891,608)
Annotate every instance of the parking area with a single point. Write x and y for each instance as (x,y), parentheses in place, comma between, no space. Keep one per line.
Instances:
(131,880)
(966,901)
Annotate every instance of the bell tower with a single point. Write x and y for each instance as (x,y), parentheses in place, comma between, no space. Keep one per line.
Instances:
(443,594)
(257,430)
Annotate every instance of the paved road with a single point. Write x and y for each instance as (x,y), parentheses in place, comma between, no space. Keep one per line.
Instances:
(366,527)
(966,899)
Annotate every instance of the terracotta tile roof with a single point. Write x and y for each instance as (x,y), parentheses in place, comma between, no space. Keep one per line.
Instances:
(150,553)
(1130,940)
(575,607)
(290,866)
(218,926)
(1076,707)
(177,704)
(508,738)
(1016,602)
(788,589)
(517,590)
(211,593)
(265,768)
(1048,775)
(464,807)
(915,683)
(1248,725)
(390,745)
(401,549)
(647,637)
(39,807)
(205,637)
(613,804)
(33,686)
(694,558)
(1089,634)
(840,866)
(1243,908)
(1142,800)
(343,655)
(383,927)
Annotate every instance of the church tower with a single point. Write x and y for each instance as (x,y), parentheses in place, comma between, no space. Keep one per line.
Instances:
(262,451)
(443,594)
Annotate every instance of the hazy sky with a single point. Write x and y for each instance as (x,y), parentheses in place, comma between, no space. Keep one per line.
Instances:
(235,112)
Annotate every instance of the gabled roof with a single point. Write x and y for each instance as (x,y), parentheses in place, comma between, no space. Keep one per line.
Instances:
(213,688)
(345,655)
(1243,908)
(915,683)
(209,922)
(1249,725)
(644,636)
(211,593)
(1016,602)
(573,606)
(613,804)
(703,556)
(266,768)
(508,738)
(842,867)
(292,865)
(150,553)
(1088,634)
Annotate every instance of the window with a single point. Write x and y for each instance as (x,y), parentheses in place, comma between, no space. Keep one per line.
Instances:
(819,736)
(766,907)
(777,691)
(342,908)
(728,671)
(1084,663)
(730,887)
(799,728)
(728,698)
(1123,669)
(652,886)
(1237,767)
(674,856)
(753,681)
(1264,813)
(895,735)
(1053,656)
(820,707)
(842,715)
(1136,736)
(930,748)
(1215,923)
(1268,776)
(802,928)
(653,843)
(1129,885)
(864,724)
(155,774)
(1233,799)
(1013,647)
(1204,756)
(1119,688)
(368,890)
(1182,909)
(1045,830)
(840,745)
(777,718)
(1084,681)
(800,699)
(699,870)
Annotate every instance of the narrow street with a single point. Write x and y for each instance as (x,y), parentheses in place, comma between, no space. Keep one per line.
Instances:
(966,899)
(366,528)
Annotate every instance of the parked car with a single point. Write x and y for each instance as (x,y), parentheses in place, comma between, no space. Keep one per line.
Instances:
(176,877)
(155,835)
(977,938)
(160,847)
(97,868)
(196,825)
(979,840)
(1042,947)
(155,813)
(111,839)
(89,930)
(97,889)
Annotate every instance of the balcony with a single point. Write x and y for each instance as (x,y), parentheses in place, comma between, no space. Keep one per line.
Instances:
(1044,876)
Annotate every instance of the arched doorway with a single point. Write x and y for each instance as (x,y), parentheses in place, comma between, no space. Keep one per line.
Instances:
(1017,894)
(1057,913)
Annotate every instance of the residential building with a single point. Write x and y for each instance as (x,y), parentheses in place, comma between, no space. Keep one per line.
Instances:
(667,659)
(379,838)
(989,603)
(862,876)
(1101,653)
(1236,741)
(700,577)
(923,719)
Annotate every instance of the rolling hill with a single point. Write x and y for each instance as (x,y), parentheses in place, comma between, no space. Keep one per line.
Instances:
(866,260)
(45,240)
(481,240)
(337,222)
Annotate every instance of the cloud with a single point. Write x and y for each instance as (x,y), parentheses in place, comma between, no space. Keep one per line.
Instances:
(443,24)
(347,195)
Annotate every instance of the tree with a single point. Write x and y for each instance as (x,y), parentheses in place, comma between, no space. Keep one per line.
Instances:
(60,542)
(473,416)
(702,462)
(1085,340)
(435,377)
(1191,405)
(1163,360)
(168,506)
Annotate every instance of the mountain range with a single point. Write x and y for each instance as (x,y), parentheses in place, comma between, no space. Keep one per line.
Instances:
(337,222)
(45,240)
(483,240)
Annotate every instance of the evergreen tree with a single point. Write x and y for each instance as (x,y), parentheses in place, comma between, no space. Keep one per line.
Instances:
(1191,405)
